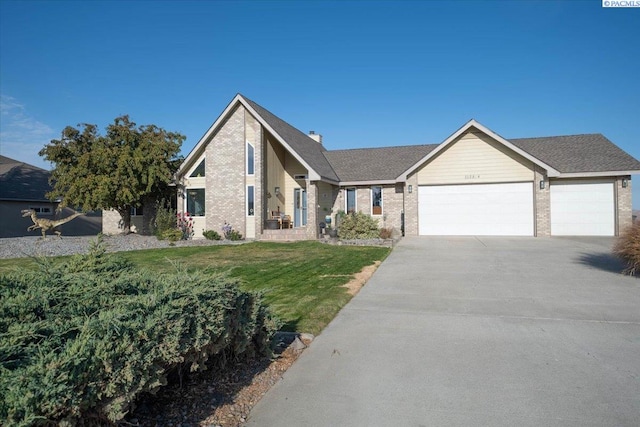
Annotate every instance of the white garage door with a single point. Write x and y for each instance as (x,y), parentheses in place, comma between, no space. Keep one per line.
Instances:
(481,209)
(582,209)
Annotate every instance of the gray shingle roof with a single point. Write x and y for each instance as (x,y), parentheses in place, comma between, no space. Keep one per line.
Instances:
(22,181)
(578,153)
(376,164)
(310,150)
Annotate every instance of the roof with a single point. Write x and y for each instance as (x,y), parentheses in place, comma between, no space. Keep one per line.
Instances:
(579,153)
(560,156)
(376,164)
(22,181)
(306,147)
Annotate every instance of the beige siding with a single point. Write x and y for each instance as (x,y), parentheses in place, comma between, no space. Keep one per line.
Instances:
(475,158)
(292,167)
(275,175)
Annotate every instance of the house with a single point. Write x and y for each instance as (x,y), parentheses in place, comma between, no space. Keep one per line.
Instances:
(251,167)
(24,186)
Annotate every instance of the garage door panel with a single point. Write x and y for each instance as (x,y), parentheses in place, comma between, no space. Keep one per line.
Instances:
(582,209)
(484,209)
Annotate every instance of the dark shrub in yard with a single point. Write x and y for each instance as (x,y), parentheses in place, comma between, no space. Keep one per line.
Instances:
(80,340)
(627,247)
(211,235)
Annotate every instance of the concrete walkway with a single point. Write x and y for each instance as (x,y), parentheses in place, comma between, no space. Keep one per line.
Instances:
(475,332)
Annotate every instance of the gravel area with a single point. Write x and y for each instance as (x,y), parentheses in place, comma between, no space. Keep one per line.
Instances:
(20,247)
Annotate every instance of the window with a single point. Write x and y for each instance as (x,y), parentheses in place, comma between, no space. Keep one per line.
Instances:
(351,200)
(42,210)
(195,201)
(250,159)
(250,200)
(376,200)
(199,171)
(136,211)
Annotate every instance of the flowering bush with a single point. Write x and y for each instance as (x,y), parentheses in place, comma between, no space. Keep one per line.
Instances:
(230,233)
(185,224)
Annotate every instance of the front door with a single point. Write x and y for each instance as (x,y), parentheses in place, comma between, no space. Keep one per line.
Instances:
(299,207)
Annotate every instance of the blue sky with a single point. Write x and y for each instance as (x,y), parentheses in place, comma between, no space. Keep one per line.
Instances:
(363,74)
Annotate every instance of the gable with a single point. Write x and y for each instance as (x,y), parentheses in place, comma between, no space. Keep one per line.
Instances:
(473,158)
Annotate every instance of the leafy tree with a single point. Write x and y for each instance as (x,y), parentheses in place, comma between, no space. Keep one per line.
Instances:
(125,167)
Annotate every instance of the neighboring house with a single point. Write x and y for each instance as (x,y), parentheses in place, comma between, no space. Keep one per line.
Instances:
(24,186)
(251,164)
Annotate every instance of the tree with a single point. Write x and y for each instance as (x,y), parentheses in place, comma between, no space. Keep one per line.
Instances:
(117,170)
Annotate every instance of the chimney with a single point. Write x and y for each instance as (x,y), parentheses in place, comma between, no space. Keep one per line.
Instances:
(315,136)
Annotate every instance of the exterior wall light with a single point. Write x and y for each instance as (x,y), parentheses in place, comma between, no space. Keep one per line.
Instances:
(410,188)
(542,185)
(625,183)
(277,191)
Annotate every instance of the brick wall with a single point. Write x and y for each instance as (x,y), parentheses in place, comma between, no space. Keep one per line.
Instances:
(312,210)
(624,204)
(253,134)
(542,204)
(411,207)
(225,175)
(392,207)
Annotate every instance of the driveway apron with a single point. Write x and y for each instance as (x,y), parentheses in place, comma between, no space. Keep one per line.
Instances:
(475,331)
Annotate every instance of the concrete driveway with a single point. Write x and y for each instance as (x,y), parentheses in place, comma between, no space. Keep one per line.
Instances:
(475,332)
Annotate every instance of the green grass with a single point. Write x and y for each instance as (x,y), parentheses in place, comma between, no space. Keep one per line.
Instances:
(302,282)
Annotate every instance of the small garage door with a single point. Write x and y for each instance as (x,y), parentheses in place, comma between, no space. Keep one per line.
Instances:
(481,209)
(582,209)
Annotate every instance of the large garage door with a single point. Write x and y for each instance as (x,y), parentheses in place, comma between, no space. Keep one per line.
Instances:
(481,209)
(582,209)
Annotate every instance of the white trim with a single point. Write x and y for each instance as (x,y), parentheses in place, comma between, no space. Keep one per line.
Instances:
(551,172)
(313,175)
(246,204)
(246,159)
(195,166)
(596,174)
(205,138)
(238,99)
(368,183)
(186,197)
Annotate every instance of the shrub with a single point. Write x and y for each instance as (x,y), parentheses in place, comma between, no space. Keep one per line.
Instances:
(627,247)
(172,235)
(165,219)
(358,226)
(230,233)
(211,235)
(386,232)
(80,340)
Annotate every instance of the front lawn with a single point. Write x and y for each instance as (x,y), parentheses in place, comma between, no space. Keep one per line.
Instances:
(302,282)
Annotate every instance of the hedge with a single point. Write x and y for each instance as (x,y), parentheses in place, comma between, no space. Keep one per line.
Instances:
(81,340)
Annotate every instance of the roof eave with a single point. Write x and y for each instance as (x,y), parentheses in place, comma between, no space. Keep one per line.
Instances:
(370,182)
(195,152)
(597,174)
(551,172)
(313,175)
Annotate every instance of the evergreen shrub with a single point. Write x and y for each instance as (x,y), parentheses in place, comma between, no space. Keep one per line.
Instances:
(81,339)
(358,226)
